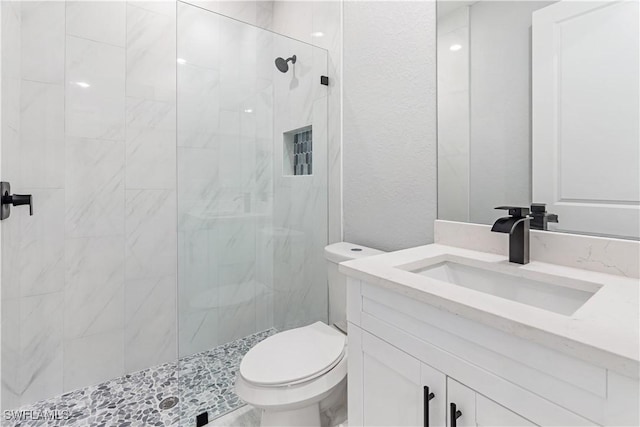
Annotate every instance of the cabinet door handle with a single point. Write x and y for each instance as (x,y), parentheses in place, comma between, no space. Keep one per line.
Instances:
(427,397)
(454,414)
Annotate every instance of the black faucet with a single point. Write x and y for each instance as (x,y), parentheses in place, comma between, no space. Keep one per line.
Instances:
(540,218)
(517,225)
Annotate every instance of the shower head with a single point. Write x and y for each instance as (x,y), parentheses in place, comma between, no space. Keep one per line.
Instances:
(282,64)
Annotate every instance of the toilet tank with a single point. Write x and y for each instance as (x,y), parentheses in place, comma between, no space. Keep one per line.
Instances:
(335,254)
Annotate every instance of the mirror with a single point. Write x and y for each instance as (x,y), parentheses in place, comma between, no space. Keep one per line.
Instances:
(538,103)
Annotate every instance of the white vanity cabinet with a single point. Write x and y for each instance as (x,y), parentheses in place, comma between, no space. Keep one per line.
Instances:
(396,387)
(398,345)
(399,390)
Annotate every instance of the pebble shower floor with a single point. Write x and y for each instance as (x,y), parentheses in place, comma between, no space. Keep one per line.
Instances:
(202,382)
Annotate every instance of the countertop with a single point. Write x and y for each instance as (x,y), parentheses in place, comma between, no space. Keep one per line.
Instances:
(604,331)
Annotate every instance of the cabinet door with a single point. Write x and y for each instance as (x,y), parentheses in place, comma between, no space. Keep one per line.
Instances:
(393,387)
(477,410)
(464,400)
(436,382)
(490,414)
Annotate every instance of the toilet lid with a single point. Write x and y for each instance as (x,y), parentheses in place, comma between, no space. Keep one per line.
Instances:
(293,356)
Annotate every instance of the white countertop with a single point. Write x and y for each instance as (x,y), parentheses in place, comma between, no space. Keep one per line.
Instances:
(604,331)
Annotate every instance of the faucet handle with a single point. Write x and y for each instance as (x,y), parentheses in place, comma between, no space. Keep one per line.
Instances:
(518,212)
(540,209)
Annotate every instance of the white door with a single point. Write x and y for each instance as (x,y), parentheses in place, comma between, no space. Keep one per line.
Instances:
(393,387)
(586,149)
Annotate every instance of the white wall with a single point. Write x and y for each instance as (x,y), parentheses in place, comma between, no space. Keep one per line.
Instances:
(389,123)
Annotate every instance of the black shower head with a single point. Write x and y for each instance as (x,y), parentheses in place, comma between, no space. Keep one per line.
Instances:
(282,65)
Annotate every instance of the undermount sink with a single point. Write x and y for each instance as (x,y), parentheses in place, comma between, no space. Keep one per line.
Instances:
(548,296)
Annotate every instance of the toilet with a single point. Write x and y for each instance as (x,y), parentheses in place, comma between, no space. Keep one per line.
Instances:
(296,376)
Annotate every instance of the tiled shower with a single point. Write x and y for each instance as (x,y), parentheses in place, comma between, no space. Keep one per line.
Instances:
(152,137)
(88,281)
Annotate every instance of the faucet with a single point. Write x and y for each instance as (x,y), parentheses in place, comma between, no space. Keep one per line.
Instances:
(517,225)
(540,217)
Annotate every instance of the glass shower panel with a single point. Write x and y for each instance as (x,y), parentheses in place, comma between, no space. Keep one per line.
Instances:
(251,232)
(224,188)
(299,226)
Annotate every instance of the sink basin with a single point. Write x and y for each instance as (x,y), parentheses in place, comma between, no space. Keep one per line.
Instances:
(549,296)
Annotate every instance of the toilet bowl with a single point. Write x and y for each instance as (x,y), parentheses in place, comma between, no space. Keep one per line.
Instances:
(289,374)
(295,376)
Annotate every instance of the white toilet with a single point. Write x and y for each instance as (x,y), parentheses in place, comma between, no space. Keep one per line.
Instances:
(295,375)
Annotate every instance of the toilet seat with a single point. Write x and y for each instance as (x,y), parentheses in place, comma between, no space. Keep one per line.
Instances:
(294,357)
(290,397)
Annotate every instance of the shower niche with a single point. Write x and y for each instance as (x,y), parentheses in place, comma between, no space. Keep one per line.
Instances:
(298,151)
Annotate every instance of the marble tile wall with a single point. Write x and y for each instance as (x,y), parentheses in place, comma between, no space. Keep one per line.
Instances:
(300,202)
(318,23)
(10,40)
(89,287)
(33,157)
(150,311)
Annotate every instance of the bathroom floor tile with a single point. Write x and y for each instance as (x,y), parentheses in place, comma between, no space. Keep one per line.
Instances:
(202,382)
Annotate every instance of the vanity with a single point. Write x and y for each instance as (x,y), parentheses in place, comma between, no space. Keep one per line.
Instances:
(453,334)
